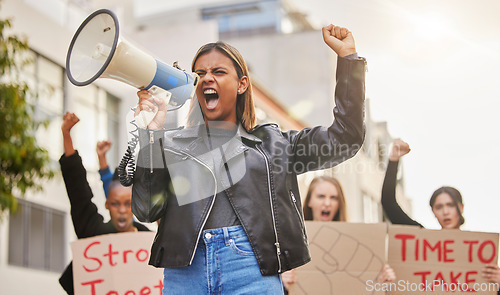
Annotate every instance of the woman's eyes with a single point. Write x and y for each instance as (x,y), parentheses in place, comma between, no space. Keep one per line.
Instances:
(440,206)
(216,72)
(127,204)
(331,197)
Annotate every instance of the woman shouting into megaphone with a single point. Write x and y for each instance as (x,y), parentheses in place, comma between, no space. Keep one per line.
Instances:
(225,188)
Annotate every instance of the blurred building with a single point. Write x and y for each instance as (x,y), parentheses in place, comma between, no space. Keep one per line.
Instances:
(293,75)
(287,54)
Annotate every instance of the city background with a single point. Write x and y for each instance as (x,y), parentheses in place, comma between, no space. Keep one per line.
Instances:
(431,80)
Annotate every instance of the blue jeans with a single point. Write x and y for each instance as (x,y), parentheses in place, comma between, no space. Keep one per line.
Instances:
(224,263)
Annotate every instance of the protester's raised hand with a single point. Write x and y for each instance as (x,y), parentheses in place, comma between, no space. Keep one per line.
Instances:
(152,104)
(69,120)
(102,147)
(399,149)
(339,39)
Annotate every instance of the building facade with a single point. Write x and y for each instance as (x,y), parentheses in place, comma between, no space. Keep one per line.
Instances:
(35,243)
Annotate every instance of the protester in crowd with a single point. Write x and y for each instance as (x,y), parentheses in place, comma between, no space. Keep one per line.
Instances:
(446,204)
(102,147)
(325,201)
(241,234)
(87,222)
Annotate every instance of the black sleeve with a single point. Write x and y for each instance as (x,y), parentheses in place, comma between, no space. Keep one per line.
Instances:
(323,147)
(391,207)
(151,179)
(86,219)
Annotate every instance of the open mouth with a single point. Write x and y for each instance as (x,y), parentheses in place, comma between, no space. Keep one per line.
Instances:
(121,222)
(211,98)
(325,213)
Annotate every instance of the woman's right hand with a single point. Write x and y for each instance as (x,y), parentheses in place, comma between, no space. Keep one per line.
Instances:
(150,103)
(69,120)
(288,278)
(399,149)
(387,275)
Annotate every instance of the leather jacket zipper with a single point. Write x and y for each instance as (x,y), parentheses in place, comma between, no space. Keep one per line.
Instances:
(277,244)
(213,201)
(301,220)
(151,141)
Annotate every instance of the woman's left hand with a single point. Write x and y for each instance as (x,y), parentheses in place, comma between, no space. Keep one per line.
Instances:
(339,39)
(288,278)
(387,275)
(491,273)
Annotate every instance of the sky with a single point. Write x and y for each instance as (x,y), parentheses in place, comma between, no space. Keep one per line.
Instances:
(433,76)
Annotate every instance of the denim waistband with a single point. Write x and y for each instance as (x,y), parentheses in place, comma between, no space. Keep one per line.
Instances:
(224,233)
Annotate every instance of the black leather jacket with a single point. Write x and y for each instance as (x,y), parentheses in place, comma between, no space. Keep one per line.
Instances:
(260,179)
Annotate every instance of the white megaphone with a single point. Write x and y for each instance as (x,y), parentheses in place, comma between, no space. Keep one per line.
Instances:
(97,51)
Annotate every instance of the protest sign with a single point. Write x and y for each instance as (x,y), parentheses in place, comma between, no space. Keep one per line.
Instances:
(115,264)
(440,261)
(345,257)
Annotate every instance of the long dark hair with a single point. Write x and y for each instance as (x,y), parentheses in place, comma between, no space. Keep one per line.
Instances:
(341,214)
(455,196)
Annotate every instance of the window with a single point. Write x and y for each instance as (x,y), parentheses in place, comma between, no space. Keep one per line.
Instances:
(45,80)
(113,123)
(36,237)
(247,18)
(100,119)
(37,233)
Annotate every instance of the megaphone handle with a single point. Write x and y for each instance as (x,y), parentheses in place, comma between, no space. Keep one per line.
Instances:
(144,118)
(160,93)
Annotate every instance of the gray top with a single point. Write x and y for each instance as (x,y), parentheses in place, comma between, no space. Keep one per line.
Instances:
(222,214)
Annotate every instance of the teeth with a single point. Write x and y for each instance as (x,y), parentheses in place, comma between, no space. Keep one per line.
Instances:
(209,91)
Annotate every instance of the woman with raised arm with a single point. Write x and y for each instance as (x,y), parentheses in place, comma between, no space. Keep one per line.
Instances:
(446,204)
(225,189)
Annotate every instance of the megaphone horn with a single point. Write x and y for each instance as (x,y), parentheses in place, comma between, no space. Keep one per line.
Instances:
(98,51)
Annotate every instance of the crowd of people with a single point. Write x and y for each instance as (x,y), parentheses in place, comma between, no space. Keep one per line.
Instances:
(224,190)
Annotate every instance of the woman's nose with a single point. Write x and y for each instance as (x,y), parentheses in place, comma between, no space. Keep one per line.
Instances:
(208,77)
(123,209)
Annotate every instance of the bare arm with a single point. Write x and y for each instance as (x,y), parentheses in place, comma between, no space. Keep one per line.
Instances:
(69,120)
(102,147)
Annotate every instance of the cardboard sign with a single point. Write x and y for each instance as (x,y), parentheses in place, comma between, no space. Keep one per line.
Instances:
(344,257)
(115,264)
(440,261)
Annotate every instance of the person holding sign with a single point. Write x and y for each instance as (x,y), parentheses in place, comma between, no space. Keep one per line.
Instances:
(325,201)
(225,189)
(446,203)
(86,219)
